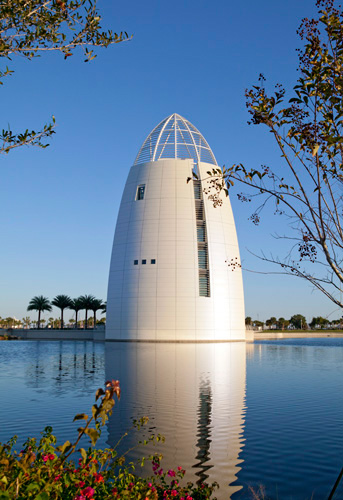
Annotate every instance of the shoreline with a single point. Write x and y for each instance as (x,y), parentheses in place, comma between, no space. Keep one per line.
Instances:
(98,335)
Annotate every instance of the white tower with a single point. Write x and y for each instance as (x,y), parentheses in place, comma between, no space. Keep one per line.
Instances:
(169,275)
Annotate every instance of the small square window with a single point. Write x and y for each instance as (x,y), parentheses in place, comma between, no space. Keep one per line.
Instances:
(153,261)
(135,262)
(140,192)
(144,261)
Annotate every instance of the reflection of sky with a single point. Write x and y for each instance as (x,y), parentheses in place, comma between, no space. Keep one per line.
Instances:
(294,426)
(47,383)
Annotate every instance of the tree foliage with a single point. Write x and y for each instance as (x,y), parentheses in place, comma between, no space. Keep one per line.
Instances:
(29,28)
(39,303)
(62,302)
(306,187)
(298,321)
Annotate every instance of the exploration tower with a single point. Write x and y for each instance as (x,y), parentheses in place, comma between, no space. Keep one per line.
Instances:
(170,278)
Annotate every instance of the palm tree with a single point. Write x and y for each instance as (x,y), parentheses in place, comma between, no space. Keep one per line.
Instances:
(62,302)
(26,321)
(96,305)
(39,303)
(76,305)
(86,301)
(104,307)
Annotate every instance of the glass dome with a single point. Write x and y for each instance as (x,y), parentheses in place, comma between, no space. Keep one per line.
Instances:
(175,137)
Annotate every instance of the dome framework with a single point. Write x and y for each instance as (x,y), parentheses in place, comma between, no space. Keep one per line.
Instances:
(175,137)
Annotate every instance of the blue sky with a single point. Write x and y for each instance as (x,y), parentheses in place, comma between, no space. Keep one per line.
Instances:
(59,205)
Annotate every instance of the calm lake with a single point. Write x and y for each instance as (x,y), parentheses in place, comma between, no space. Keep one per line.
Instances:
(268,413)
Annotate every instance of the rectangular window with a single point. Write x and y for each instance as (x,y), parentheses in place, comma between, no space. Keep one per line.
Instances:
(140,192)
(199,210)
(135,262)
(153,261)
(144,261)
(201,232)
(204,284)
(197,190)
(202,257)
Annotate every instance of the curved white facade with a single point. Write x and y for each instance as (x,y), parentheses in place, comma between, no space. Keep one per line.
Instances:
(171,248)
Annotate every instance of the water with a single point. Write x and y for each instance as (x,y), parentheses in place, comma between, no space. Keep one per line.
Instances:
(268,413)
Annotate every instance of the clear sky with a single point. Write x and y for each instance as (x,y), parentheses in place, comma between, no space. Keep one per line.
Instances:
(195,58)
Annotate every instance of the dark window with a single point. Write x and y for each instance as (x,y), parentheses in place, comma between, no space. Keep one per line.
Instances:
(144,261)
(197,190)
(199,210)
(135,262)
(140,192)
(204,284)
(153,261)
(202,257)
(201,233)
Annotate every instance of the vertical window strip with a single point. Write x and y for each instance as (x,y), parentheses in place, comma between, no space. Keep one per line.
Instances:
(204,274)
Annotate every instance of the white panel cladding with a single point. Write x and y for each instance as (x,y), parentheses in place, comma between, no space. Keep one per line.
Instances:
(161,301)
(225,281)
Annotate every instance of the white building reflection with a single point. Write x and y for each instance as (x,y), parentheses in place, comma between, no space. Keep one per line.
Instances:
(193,394)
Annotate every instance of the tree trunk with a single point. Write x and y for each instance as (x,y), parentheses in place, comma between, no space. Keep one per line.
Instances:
(76,318)
(39,318)
(94,319)
(86,319)
(61,319)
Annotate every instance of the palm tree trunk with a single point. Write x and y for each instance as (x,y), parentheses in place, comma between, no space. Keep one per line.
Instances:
(86,319)
(94,319)
(61,319)
(76,318)
(39,311)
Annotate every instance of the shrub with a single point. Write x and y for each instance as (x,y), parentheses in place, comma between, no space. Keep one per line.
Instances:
(43,471)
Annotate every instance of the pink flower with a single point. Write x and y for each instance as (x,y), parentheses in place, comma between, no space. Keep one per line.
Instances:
(179,468)
(173,493)
(80,484)
(57,477)
(88,492)
(153,489)
(189,497)
(149,485)
(171,473)
(50,456)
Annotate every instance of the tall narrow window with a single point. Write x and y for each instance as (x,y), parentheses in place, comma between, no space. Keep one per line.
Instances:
(140,192)
(204,274)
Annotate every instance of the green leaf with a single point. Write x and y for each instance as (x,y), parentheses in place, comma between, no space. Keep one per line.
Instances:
(33,486)
(93,435)
(42,496)
(83,453)
(80,416)
(65,447)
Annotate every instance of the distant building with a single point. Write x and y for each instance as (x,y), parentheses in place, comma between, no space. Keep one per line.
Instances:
(170,275)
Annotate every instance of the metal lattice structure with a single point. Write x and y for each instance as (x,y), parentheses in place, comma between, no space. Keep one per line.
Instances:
(175,137)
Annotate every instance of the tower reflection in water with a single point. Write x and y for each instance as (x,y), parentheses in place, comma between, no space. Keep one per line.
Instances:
(194,395)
